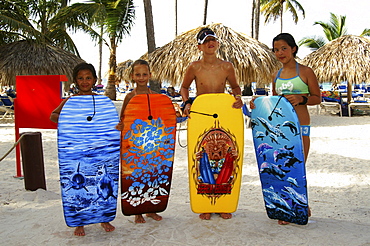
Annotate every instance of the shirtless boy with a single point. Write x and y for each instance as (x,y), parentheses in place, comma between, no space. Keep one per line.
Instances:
(210,75)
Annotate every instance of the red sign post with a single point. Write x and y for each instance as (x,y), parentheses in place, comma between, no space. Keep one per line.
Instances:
(37,97)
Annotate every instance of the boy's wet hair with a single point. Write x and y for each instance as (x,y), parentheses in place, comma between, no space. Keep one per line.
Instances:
(139,62)
(204,33)
(288,38)
(83,66)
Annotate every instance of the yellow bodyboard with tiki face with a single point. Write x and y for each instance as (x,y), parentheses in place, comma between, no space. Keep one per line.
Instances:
(215,153)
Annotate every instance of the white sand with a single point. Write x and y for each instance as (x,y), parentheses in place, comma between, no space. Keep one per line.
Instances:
(338,174)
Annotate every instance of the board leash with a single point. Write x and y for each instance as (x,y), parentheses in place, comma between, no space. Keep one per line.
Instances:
(270,116)
(213,115)
(150,117)
(89,118)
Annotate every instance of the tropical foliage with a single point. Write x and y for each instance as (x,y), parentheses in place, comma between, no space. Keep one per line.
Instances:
(116,19)
(332,30)
(34,20)
(47,22)
(274,9)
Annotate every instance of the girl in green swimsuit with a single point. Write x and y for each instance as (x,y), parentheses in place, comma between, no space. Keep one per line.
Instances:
(297,83)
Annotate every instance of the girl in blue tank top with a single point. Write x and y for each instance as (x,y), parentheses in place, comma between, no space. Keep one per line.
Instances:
(297,83)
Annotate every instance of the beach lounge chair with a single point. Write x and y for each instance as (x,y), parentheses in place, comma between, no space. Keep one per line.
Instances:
(261,92)
(7,107)
(331,100)
(361,105)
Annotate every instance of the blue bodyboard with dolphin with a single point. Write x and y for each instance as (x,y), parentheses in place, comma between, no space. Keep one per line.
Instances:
(279,152)
(88,151)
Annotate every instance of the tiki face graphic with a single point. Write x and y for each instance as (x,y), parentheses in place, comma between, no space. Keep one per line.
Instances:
(215,164)
(216,144)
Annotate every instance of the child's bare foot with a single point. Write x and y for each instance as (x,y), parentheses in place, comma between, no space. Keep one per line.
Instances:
(139,219)
(205,216)
(282,222)
(79,231)
(154,216)
(226,215)
(107,226)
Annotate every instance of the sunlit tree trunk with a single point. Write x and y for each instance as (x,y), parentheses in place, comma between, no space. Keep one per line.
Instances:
(100,56)
(257,19)
(252,20)
(154,85)
(175,18)
(111,86)
(205,12)
(281,19)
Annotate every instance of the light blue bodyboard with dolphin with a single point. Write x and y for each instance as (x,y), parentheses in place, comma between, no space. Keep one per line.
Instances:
(279,152)
(88,151)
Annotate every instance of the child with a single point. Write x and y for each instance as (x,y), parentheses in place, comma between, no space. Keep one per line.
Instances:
(140,75)
(297,83)
(210,74)
(84,77)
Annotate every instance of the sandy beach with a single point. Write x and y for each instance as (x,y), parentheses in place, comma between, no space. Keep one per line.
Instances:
(339,196)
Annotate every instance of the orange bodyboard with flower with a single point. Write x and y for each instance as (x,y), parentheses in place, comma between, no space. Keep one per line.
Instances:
(215,153)
(147,153)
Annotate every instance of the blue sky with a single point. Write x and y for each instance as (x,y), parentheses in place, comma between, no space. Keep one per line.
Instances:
(235,14)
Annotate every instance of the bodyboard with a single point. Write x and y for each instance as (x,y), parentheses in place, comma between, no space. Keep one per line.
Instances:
(279,152)
(147,153)
(215,153)
(88,151)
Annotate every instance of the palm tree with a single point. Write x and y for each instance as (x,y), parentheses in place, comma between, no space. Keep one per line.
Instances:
(175,18)
(34,20)
(332,30)
(154,85)
(117,18)
(149,25)
(255,23)
(274,9)
(205,12)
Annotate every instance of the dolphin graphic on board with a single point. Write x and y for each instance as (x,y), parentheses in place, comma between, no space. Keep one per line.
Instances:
(291,161)
(274,170)
(275,201)
(271,129)
(77,180)
(262,149)
(105,187)
(293,128)
(278,112)
(298,198)
(254,123)
(292,181)
(260,135)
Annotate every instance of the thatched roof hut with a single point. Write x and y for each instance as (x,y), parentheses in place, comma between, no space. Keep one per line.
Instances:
(122,69)
(30,58)
(253,60)
(346,58)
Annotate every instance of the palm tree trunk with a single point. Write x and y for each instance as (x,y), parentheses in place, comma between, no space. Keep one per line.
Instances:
(257,19)
(281,19)
(175,18)
(153,84)
(149,25)
(111,86)
(100,55)
(205,12)
(253,15)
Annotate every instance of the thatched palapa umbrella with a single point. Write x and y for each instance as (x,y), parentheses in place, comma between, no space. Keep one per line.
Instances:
(346,58)
(253,60)
(30,58)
